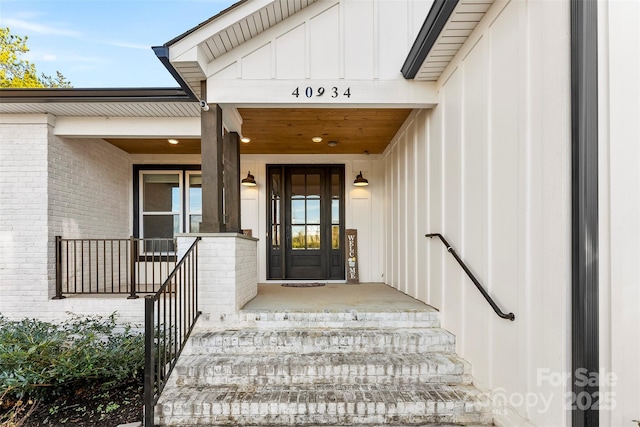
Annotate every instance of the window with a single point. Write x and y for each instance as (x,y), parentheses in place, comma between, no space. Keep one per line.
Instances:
(161,211)
(194,201)
(336,196)
(305,211)
(169,200)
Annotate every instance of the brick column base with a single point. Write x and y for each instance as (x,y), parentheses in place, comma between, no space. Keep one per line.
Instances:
(227,271)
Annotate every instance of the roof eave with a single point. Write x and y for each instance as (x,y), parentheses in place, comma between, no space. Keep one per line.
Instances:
(44,95)
(437,18)
(197,27)
(162,52)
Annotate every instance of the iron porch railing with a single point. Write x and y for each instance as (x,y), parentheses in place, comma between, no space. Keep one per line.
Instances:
(112,266)
(169,317)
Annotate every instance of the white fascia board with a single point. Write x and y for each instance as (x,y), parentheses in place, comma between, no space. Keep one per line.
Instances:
(232,120)
(31,119)
(398,93)
(137,127)
(214,27)
(128,127)
(191,57)
(195,54)
(202,59)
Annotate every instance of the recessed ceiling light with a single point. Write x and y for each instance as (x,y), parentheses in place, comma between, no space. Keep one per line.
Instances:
(332,143)
(245,139)
(172,141)
(316,139)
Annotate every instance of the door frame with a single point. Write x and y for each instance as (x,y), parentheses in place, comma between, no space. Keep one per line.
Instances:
(280,270)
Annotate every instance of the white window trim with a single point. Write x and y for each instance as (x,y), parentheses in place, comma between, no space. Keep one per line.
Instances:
(142,212)
(187,203)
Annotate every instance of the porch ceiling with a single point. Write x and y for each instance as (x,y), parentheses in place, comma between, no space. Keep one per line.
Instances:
(156,145)
(289,131)
(284,131)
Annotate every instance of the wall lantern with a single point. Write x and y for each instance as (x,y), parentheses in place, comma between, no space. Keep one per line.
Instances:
(249,181)
(360,181)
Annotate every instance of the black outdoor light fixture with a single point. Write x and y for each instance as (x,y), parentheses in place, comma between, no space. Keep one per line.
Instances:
(360,181)
(249,181)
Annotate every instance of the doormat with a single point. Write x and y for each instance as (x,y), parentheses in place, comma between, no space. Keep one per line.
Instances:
(302,285)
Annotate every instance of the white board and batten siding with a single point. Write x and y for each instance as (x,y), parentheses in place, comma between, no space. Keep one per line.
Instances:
(619,214)
(489,167)
(353,44)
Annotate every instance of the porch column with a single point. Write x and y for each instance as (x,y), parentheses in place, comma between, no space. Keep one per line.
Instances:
(232,182)
(211,146)
(226,285)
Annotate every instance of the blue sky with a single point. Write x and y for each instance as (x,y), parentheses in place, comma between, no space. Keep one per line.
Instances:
(104,43)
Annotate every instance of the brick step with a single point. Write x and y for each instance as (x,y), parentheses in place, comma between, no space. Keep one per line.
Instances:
(318,405)
(427,318)
(288,369)
(309,341)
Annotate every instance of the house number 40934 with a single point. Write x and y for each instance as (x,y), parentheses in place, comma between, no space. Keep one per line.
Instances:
(310,92)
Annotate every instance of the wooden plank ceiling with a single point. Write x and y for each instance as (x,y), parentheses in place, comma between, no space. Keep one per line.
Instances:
(290,131)
(280,131)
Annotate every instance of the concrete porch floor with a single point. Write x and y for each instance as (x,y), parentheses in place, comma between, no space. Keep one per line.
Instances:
(333,297)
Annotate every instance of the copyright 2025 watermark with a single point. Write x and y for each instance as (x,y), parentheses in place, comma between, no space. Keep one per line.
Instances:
(586,380)
(555,390)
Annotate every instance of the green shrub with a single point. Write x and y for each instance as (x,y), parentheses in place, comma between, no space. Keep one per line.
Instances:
(40,359)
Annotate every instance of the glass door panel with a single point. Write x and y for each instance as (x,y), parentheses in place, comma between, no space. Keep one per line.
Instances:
(275,257)
(304,257)
(336,197)
(305,212)
(306,222)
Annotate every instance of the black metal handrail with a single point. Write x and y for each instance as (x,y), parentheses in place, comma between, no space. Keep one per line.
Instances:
(475,281)
(169,318)
(112,266)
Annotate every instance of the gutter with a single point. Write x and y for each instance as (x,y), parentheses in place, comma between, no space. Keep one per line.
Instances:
(162,52)
(438,16)
(65,95)
(585,300)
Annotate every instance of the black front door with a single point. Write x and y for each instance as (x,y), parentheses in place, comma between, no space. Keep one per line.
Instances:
(306,222)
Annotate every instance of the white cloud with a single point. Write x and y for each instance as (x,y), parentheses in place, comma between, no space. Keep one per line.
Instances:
(75,59)
(128,45)
(49,57)
(28,14)
(34,27)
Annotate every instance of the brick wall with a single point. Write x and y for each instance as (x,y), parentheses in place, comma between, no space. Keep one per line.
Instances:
(54,186)
(246,271)
(89,189)
(227,273)
(89,192)
(23,218)
(81,188)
